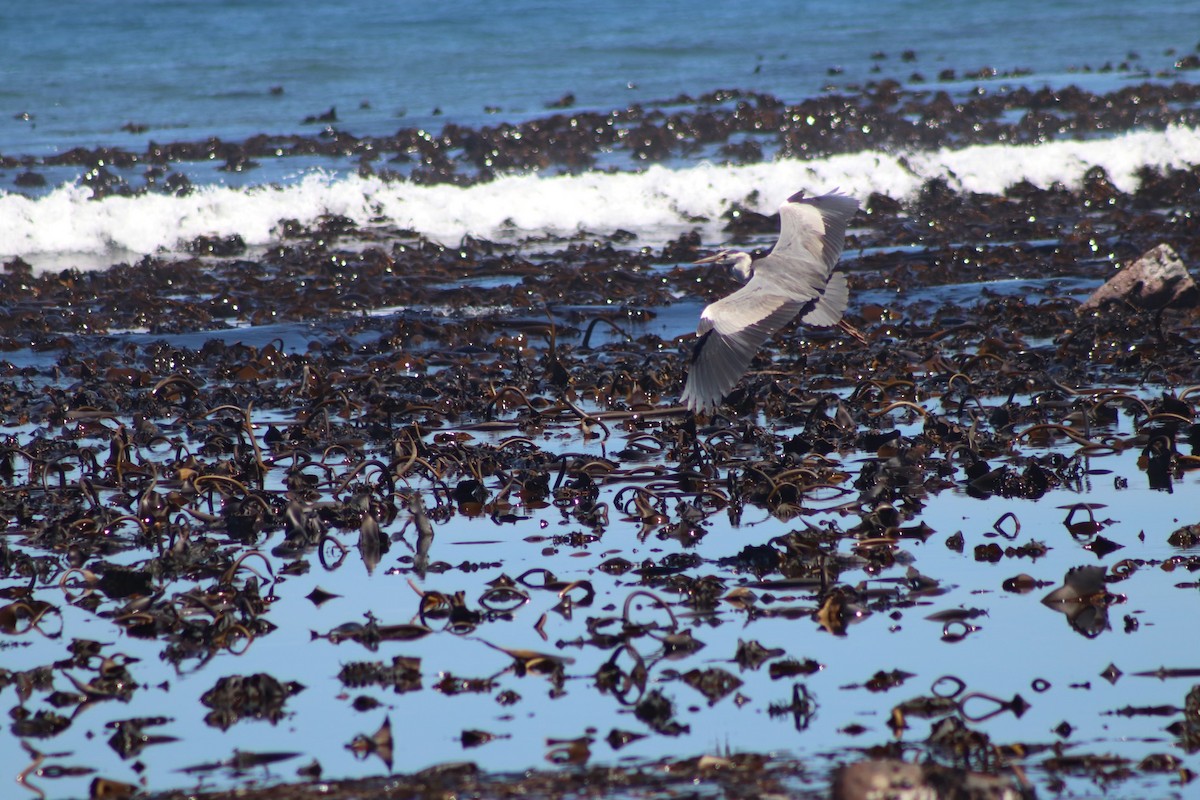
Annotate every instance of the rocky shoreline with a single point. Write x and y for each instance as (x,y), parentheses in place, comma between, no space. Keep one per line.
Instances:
(183,433)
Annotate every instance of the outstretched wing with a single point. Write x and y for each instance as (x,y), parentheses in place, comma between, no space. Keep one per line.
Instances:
(812,231)
(831,304)
(818,224)
(731,331)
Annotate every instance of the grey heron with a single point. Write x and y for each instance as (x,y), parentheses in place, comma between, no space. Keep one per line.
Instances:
(796,278)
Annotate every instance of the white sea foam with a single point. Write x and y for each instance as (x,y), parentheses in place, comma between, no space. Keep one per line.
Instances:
(656,204)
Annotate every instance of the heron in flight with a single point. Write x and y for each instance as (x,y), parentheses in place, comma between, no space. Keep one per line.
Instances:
(795,278)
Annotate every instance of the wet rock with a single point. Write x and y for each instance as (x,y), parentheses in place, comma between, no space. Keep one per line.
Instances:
(326,116)
(1155,281)
(29,180)
(892,778)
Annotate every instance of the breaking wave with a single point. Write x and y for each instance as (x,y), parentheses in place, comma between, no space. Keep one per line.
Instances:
(656,205)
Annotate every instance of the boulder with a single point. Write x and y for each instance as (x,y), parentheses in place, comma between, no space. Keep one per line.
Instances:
(1155,281)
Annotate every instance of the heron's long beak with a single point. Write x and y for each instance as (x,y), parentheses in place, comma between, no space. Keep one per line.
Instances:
(710,259)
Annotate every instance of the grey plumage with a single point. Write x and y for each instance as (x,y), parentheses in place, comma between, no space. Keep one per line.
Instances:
(796,278)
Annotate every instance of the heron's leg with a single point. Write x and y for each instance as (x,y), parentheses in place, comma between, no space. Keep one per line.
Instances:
(853,331)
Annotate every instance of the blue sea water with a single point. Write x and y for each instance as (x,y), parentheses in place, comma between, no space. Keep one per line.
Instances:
(80,74)
(74,72)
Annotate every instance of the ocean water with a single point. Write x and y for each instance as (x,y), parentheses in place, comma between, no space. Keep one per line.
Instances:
(127,73)
(189,70)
